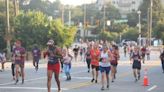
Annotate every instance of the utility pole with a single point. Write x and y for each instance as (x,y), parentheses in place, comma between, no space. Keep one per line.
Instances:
(139,26)
(104,14)
(150,32)
(62,14)
(148,26)
(84,20)
(69,16)
(8,33)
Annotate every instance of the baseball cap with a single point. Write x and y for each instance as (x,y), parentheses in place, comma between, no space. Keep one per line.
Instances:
(50,42)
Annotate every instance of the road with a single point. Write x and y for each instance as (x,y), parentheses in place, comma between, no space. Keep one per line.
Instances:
(36,81)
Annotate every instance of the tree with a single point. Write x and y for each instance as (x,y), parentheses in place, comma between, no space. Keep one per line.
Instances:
(109,36)
(31,28)
(36,28)
(3,22)
(157,10)
(130,33)
(159,31)
(132,19)
(47,7)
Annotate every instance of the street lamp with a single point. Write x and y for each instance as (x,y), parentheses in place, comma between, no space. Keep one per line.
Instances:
(139,26)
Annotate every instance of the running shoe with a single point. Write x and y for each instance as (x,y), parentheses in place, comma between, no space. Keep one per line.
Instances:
(22,81)
(95,81)
(102,88)
(107,86)
(92,80)
(16,82)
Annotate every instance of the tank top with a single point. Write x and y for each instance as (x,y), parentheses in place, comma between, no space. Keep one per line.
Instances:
(105,59)
(52,58)
(136,56)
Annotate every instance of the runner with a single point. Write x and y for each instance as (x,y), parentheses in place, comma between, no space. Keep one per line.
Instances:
(136,57)
(143,52)
(162,60)
(105,58)
(88,58)
(95,56)
(67,58)
(53,66)
(13,61)
(125,50)
(148,53)
(114,61)
(81,53)
(76,50)
(19,56)
(130,50)
(36,56)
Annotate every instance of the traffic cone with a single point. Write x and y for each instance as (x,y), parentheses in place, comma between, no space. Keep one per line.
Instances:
(145,80)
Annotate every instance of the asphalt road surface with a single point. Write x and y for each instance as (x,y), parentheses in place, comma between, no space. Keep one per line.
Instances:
(36,81)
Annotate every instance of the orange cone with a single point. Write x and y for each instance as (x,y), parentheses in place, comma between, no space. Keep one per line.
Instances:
(145,80)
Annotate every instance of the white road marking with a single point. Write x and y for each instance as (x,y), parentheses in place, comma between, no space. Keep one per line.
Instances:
(25,81)
(153,87)
(85,78)
(30,88)
(9,83)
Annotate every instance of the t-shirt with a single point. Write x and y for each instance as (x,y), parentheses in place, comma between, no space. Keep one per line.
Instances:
(36,52)
(105,59)
(143,50)
(76,50)
(67,59)
(18,54)
(95,54)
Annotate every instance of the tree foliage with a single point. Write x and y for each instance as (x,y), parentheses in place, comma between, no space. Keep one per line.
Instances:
(36,28)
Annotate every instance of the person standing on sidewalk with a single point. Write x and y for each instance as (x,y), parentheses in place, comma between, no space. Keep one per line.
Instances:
(104,63)
(19,57)
(95,57)
(162,60)
(36,54)
(67,58)
(53,67)
(136,58)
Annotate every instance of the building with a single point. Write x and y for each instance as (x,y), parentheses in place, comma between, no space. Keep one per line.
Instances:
(126,6)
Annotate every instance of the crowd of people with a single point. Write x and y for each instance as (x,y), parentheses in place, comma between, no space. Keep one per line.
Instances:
(99,56)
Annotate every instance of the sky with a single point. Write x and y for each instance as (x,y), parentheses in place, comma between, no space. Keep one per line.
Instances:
(75,2)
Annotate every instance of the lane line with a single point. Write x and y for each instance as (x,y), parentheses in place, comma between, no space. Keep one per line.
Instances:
(31,88)
(10,83)
(152,88)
